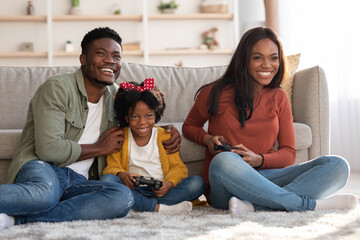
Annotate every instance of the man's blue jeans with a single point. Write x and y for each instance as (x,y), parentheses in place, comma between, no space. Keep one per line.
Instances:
(188,189)
(44,192)
(293,188)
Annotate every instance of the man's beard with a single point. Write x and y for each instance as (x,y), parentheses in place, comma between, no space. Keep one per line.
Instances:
(98,81)
(102,82)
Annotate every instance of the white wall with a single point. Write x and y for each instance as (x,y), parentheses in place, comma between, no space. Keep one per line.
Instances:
(251,14)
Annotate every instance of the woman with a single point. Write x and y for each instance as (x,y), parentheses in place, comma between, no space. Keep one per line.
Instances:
(247,109)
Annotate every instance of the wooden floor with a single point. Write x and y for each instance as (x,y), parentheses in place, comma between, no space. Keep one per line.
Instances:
(353,185)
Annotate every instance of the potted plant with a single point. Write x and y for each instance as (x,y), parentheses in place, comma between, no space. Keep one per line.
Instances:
(117,8)
(75,9)
(75,3)
(168,7)
(69,46)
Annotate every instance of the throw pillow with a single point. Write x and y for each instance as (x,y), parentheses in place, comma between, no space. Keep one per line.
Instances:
(292,63)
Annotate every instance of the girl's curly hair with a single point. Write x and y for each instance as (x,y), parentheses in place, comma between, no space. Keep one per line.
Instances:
(125,101)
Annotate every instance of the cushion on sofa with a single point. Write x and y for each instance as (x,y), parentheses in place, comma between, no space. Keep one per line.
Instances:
(9,141)
(292,63)
(303,136)
(192,152)
(4,166)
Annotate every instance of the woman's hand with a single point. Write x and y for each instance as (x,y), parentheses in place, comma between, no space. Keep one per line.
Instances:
(210,141)
(165,188)
(173,144)
(248,156)
(127,178)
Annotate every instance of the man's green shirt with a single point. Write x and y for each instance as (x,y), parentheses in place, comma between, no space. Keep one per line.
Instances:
(55,122)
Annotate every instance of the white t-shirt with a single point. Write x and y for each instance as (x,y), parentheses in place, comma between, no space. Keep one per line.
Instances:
(90,135)
(145,160)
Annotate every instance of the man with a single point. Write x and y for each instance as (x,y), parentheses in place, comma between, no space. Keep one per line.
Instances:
(70,128)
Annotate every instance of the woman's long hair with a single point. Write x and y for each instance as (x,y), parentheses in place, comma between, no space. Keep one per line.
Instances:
(237,74)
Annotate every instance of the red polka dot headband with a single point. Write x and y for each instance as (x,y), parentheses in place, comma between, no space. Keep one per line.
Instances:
(149,84)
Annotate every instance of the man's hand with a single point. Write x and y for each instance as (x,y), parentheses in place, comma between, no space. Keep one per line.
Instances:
(165,188)
(111,141)
(248,156)
(173,144)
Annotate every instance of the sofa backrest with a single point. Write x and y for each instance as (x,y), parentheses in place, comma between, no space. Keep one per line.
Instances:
(179,84)
(18,85)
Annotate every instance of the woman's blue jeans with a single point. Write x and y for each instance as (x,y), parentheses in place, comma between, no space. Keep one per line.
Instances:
(44,192)
(293,188)
(188,189)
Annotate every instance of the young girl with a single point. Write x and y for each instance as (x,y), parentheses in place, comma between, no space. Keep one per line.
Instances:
(138,108)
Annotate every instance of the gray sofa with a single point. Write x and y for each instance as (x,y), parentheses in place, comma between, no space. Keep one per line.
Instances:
(310,105)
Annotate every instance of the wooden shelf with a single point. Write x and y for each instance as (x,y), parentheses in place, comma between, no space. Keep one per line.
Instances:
(191,52)
(196,16)
(77,54)
(63,18)
(125,53)
(23,54)
(57,54)
(24,18)
(66,54)
(142,38)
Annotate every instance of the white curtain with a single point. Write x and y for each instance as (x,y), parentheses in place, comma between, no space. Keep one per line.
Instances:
(327,33)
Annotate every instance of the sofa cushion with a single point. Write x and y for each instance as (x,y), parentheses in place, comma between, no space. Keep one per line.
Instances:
(303,136)
(191,151)
(19,84)
(9,141)
(292,63)
(4,166)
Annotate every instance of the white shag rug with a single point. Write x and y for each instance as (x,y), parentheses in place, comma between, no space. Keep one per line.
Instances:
(201,223)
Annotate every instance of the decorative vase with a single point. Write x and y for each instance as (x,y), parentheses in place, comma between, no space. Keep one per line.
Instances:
(30,8)
(117,8)
(76,11)
(168,10)
(69,47)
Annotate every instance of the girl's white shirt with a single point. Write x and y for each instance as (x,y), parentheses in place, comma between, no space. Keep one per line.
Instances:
(145,160)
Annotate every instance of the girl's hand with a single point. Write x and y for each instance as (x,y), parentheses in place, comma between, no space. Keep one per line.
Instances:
(127,179)
(248,156)
(165,188)
(210,141)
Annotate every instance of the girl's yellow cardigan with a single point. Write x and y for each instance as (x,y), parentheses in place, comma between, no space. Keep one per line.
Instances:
(173,168)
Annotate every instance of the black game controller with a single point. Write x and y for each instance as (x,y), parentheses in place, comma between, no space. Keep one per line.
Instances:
(223,147)
(156,184)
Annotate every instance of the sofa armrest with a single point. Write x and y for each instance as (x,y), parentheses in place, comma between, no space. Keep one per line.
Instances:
(310,101)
